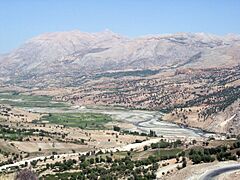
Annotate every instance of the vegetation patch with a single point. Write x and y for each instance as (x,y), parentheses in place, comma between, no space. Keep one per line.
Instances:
(22,100)
(104,167)
(13,134)
(141,73)
(81,120)
(167,153)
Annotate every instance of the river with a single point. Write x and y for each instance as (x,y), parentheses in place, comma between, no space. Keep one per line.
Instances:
(142,120)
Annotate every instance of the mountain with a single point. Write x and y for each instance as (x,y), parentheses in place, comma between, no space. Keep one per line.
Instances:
(193,77)
(74,55)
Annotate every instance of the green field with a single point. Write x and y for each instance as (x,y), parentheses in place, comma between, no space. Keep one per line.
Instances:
(82,120)
(22,100)
(140,73)
(14,135)
(162,153)
(167,152)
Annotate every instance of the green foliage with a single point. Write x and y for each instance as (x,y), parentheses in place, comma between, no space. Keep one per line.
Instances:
(116,128)
(217,101)
(22,100)
(82,120)
(7,132)
(165,144)
(236,144)
(94,168)
(184,163)
(33,163)
(198,156)
(209,154)
(141,73)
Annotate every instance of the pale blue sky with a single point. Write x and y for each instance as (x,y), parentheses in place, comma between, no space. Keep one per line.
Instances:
(23,19)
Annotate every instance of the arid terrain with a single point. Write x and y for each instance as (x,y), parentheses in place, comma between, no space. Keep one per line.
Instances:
(77,105)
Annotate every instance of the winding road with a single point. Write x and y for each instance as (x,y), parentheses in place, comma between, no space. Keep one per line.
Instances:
(128,147)
(218,171)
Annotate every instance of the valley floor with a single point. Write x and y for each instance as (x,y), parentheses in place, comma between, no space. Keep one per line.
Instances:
(45,135)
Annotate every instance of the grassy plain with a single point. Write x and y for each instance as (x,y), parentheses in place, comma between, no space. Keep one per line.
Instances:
(22,100)
(82,120)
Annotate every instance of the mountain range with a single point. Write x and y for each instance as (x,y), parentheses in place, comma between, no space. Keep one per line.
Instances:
(193,77)
(73,55)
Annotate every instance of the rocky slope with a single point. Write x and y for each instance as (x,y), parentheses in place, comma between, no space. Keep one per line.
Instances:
(71,55)
(205,98)
(194,77)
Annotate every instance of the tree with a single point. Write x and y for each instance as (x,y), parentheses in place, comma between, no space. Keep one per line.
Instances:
(184,163)
(194,141)
(116,128)
(108,159)
(196,158)
(33,163)
(238,152)
(91,161)
(152,133)
(145,148)
(97,160)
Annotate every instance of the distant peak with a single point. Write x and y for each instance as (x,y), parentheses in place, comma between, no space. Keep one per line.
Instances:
(109,33)
(108,30)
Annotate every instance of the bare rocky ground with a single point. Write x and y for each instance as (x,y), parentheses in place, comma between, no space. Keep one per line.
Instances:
(12,114)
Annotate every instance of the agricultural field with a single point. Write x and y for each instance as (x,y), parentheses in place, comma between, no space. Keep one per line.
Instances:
(81,120)
(13,134)
(21,100)
(50,136)
(139,155)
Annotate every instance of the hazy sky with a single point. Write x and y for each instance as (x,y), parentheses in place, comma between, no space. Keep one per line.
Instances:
(23,19)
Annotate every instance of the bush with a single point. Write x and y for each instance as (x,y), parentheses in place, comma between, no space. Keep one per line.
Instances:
(116,128)
(184,164)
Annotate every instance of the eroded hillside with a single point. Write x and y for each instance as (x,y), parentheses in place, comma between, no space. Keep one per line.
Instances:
(206,98)
(193,77)
(71,58)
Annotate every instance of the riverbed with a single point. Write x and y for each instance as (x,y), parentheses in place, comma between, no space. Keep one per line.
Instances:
(142,120)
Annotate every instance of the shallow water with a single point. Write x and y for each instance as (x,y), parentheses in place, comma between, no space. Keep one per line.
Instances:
(143,121)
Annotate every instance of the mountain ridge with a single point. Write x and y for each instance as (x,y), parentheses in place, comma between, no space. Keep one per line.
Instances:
(88,53)
(193,77)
